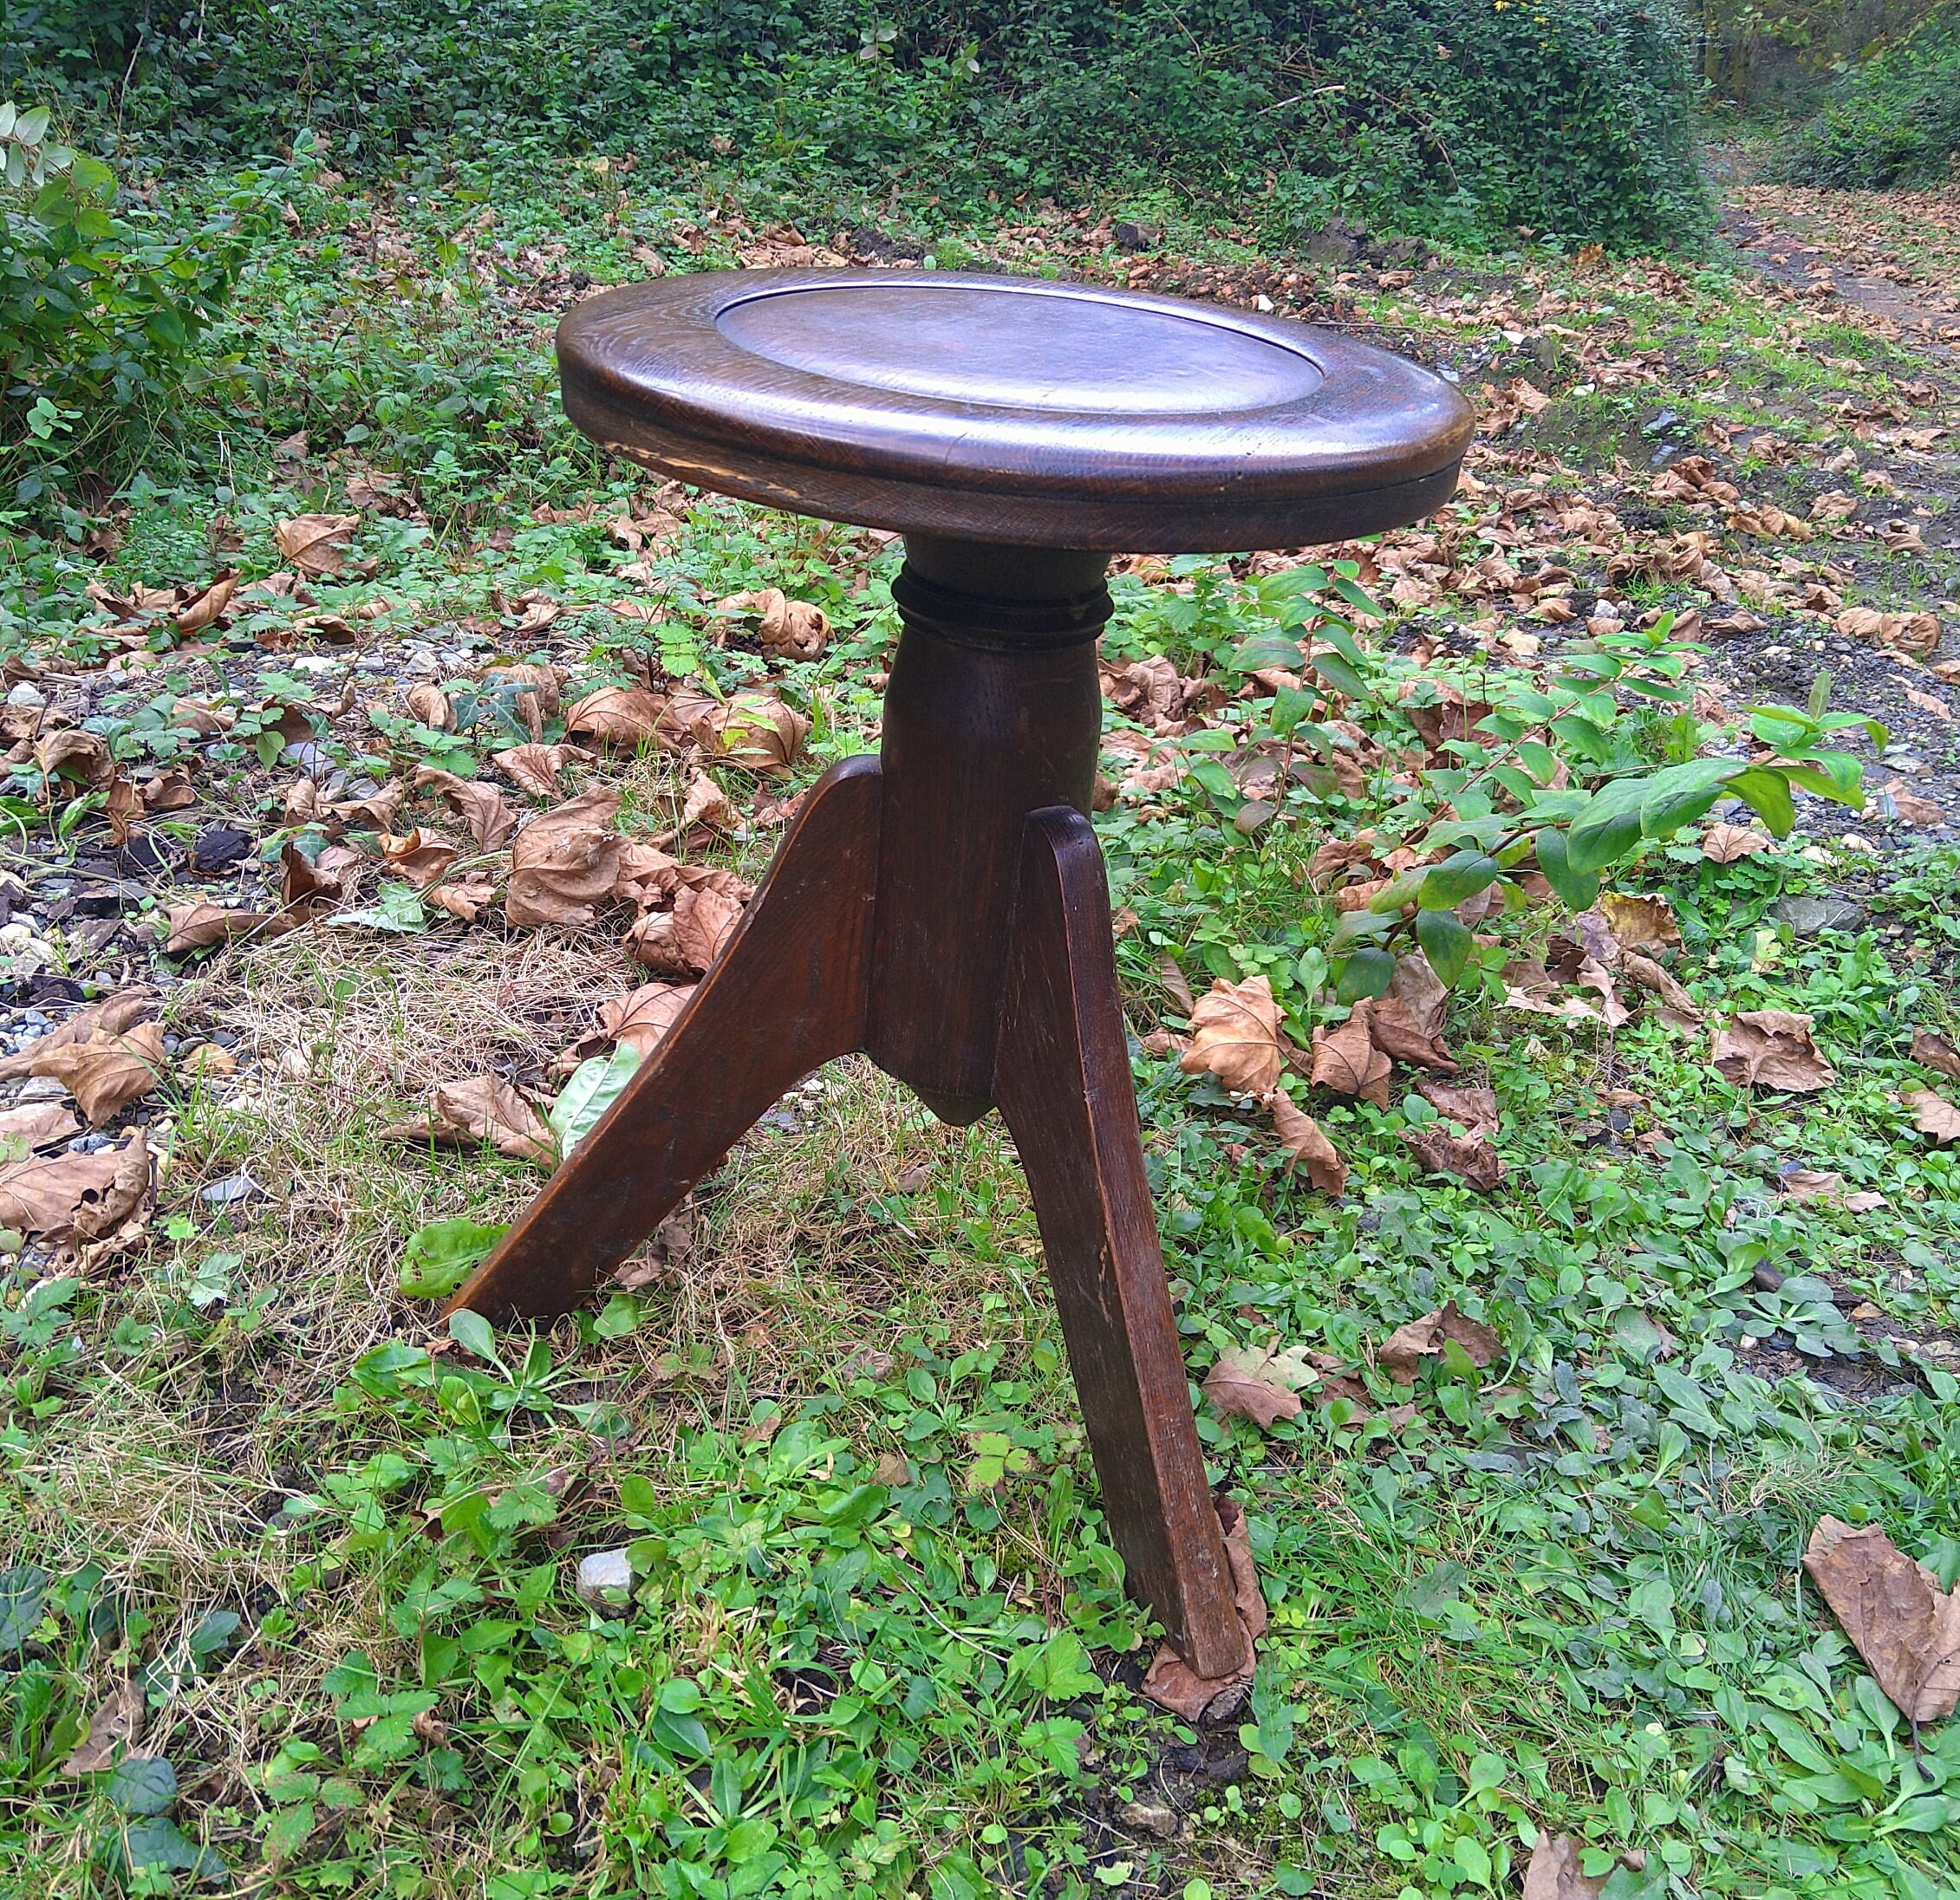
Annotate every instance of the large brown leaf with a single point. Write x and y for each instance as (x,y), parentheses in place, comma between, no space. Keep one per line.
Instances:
(1935,1052)
(420,860)
(37,1124)
(1470,1158)
(482,808)
(1346,1060)
(564,863)
(1473,1110)
(790,629)
(1407,1023)
(76,1197)
(1772,1049)
(1171,1682)
(1933,1115)
(1555,1874)
(1260,1384)
(112,1014)
(1638,923)
(315,544)
(114,1728)
(1235,1036)
(1726,843)
(685,941)
(755,731)
(1306,1141)
(72,753)
(198,927)
(481,1108)
(536,768)
(109,1071)
(1903,1624)
(1405,1349)
(620,718)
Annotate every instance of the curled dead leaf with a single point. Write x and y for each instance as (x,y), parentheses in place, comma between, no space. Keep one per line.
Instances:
(481,1108)
(1308,1143)
(1933,1115)
(1347,1061)
(1170,1681)
(1771,1049)
(1898,1618)
(1935,1052)
(1639,922)
(1235,1037)
(207,606)
(77,1197)
(1649,975)
(482,808)
(109,1071)
(685,941)
(790,629)
(1405,1349)
(617,718)
(1727,843)
(535,768)
(73,754)
(1470,1158)
(198,927)
(464,899)
(38,1125)
(430,704)
(1473,1110)
(109,1017)
(315,544)
(565,862)
(114,1728)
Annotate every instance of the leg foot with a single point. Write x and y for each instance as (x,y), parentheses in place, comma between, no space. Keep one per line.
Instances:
(1062,1077)
(787,995)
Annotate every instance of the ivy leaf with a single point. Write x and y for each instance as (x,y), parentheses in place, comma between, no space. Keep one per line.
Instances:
(23,1589)
(144,1784)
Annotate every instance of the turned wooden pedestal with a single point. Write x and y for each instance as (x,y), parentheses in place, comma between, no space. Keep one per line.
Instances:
(943,907)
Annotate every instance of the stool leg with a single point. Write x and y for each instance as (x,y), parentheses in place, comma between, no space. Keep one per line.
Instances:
(1061,1080)
(787,995)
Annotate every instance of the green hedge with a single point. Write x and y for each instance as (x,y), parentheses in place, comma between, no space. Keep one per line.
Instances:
(1895,120)
(1462,118)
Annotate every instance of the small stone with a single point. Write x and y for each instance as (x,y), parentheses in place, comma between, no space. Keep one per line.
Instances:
(1150,1818)
(1810,916)
(1766,1279)
(605,1581)
(26,696)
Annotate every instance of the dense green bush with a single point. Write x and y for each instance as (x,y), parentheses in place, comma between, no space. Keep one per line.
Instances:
(1895,120)
(1455,117)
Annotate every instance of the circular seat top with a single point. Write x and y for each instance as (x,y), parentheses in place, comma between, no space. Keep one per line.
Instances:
(1011,409)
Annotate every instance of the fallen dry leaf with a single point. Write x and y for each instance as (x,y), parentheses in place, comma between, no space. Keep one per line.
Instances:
(197,927)
(481,1108)
(642,1017)
(565,862)
(1771,1049)
(1650,975)
(114,1728)
(76,1197)
(1470,1158)
(535,768)
(685,941)
(38,1125)
(1405,1349)
(1554,1872)
(1308,1143)
(112,1014)
(1726,843)
(482,808)
(792,629)
(1346,1060)
(109,1071)
(1407,1023)
(420,860)
(1473,1110)
(1933,1115)
(1638,923)
(316,544)
(1260,1384)
(1235,1037)
(1900,1621)
(466,901)
(620,718)
(754,731)
(1935,1052)
(206,608)
(168,791)
(1910,806)
(72,753)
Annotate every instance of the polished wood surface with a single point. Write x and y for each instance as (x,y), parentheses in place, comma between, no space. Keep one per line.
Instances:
(1011,409)
(1063,1082)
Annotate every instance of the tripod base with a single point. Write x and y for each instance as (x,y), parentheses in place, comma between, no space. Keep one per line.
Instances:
(793,989)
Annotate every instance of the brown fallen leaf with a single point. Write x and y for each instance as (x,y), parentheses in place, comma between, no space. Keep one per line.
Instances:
(207,1059)
(168,791)
(535,768)
(1470,1158)
(1771,1049)
(1171,1682)
(753,730)
(206,608)
(113,1015)
(1407,1023)
(114,1728)
(1555,1872)
(708,804)
(1933,1115)
(1405,1349)
(1308,1143)
(1900,1620)
(685,941)
(1261,1385)
(315,544)
(1726,843)
(1935,1052)
(642,1017)
(73,754)
(427,702)
(198,927)
(1473,1110)
(1346,1060)
(76,1197)
(482,808)
(109,1071)
(122,806)
(618,718)
(1680,1006)
(1910,806)
(1638,923)
(465,900)
(38,1125)
(1811,1184)
(565,862)
(481,1108)
(791,628)
(1235,1037)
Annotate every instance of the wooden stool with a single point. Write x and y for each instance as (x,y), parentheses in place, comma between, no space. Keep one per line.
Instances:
(943,907)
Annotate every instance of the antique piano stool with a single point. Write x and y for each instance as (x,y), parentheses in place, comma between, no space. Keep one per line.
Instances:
(943,907)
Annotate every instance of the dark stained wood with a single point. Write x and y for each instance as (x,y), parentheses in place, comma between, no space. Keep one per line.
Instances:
(786,995)
(1011,409)
(1063,1080)
(986,718)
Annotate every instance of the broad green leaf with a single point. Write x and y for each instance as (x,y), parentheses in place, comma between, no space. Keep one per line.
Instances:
(1680,794)
(1609,827)
(1460,875)
(157,1843)
(1767,794)
(475,1335)
(141,1785)
(1367,972)
(442,1255)
(1577,889)
(593,1086)
(1340,675)
(23,1590)
(1446,943)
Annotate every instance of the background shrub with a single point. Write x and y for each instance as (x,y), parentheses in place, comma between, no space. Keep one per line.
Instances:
(1453,117)
(1895,120)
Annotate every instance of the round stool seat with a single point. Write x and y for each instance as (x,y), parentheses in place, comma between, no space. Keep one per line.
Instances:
(1011,409)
